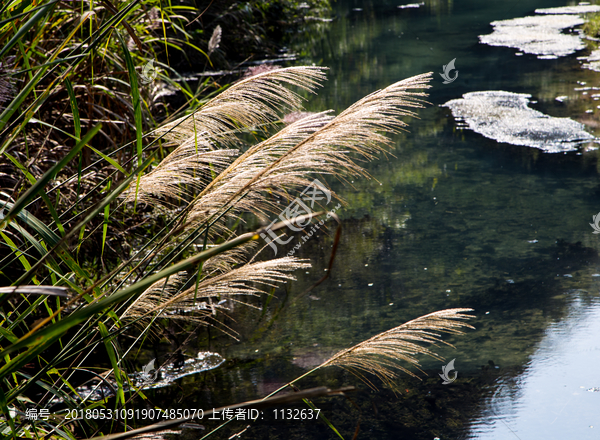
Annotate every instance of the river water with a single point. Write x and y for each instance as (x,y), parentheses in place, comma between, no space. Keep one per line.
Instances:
(449,219)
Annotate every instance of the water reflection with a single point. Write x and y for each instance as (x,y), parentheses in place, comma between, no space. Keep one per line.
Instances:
(555,396)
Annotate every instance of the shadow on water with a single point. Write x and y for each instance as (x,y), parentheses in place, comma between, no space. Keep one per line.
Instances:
(450,219)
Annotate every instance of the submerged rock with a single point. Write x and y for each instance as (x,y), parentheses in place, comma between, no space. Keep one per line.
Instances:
(506,117)
(541,35)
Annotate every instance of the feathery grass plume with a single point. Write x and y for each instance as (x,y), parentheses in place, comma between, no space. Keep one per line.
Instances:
(185,170)
(221,263)
(380,354)
(316,142)
(215,40)
(160,291)
(236,178)
(253,101)
(200,303)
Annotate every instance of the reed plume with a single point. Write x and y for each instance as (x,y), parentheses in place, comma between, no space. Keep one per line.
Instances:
(380,354)
(215,40)
(254,101)
(187,169)
(317,142)
(261,178)
(177,300)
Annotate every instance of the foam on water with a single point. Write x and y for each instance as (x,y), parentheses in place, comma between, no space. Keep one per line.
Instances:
(98,390)
(506,117)
(540,35)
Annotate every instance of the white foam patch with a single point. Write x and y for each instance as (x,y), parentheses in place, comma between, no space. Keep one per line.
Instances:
(540,35)
(506,117)
(580,9)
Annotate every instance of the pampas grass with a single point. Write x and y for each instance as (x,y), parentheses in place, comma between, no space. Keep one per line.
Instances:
(199,302)
(316,142)
(258,181)
(186,170)
(251,102)
(380,354)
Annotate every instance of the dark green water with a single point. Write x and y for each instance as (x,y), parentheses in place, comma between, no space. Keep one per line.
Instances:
(452,219)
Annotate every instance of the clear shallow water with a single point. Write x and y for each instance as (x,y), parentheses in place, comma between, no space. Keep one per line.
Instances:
(452,219)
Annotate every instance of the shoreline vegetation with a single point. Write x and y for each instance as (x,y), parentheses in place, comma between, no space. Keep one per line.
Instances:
(122,214)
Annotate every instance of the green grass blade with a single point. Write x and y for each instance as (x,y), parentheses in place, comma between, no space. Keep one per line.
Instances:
(105,223)
(92,213)
(28,25)
(15,249)
(113,356)
(110,160)
(135,96)
(44,196)
(323,418)
(54,331)
(74,108)
(49,175)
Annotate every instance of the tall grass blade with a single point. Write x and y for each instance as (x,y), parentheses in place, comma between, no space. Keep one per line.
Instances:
(49,175)
(135,96)
(92,213)
(113,356)
(28,25)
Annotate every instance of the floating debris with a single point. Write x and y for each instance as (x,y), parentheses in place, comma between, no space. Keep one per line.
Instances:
(204,361)
(594,390)
(540,35)
(532,241)
(506,117)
